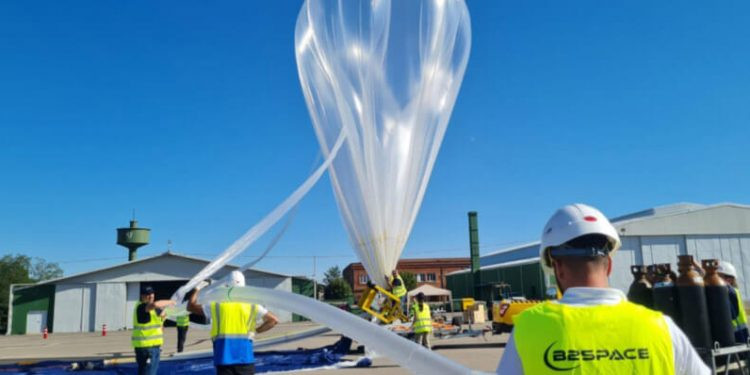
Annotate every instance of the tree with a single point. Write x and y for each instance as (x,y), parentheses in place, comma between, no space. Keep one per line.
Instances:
(42,270)
(410,280)
(333,273)
(338,289)
(20,269)
(335,285)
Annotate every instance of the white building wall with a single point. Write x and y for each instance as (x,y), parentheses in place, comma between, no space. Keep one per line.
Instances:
(628,255)
(84,302)
(74,307)
(110,306)
(662,249)
(732,248)
(133,296)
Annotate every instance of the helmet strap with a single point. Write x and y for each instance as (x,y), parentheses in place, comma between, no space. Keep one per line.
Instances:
(577,252)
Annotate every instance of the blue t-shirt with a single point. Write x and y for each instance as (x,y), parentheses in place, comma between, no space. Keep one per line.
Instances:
(233,352)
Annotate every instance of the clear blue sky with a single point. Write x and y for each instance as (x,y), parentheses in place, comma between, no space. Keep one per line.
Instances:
(191,113)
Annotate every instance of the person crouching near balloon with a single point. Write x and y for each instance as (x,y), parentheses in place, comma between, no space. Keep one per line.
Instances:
(233,325)
(421,321)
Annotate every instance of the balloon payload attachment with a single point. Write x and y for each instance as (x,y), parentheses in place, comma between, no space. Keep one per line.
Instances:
(390,309)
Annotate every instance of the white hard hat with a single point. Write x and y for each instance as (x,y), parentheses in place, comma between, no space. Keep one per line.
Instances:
(727,268)
(571,222)
(236,278)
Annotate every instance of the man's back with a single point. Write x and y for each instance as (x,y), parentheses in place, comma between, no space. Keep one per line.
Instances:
(596,319)
(231,325)
(620,338)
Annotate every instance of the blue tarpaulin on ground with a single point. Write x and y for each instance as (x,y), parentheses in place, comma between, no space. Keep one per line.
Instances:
(286,360)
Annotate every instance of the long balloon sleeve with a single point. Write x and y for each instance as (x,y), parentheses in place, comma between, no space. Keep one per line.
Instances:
(404,352)
(262,226)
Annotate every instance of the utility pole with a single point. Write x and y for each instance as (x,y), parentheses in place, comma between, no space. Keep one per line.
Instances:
(315,281)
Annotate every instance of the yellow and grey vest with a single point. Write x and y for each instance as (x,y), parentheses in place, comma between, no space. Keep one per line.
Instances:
(422,319)
(183,320)
(399,290)
(148,334)
(231,325)
(740,322)
(554,338)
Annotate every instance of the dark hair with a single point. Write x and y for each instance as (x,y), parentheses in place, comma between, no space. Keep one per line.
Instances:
(420,299)
(588,241)
(597,241)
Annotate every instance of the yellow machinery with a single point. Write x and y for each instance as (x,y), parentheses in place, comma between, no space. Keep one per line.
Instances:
(504,310)
(390,310)
(466,303)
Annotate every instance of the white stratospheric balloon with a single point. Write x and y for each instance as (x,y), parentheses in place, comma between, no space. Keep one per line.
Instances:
(384,74)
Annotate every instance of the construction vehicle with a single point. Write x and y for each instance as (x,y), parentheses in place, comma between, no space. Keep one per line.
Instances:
(507,307)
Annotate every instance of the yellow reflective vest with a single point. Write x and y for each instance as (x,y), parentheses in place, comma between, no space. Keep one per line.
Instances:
(148,334)
(231,325)
(625,338)
(183,321)
(399,290)
(741,321)
(422,319)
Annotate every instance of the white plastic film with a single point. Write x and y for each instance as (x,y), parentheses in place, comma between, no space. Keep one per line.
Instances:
(385,73)
(262,226)
(404,352)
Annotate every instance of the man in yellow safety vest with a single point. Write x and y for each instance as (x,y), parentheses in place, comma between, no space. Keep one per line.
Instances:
(232,326)
(739,317)
(422,323)
(398,288)
(592,328)
(183,323)
(147,337)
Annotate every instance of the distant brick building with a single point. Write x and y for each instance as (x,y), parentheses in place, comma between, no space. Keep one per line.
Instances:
(427,270)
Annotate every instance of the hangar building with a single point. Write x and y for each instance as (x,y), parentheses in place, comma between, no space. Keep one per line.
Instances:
(656,235)
(86,301)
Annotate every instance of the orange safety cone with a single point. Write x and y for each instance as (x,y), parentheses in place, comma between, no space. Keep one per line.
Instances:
(45,333)
(104,330)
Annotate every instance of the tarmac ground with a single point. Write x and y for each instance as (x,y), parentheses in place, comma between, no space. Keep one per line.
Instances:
(480,353)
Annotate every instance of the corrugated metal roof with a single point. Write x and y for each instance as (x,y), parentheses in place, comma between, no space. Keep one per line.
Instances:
(528,252)
(147,259)
(519,262)
(669,209)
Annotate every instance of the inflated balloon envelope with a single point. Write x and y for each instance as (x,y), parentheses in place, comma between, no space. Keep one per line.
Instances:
(386,75)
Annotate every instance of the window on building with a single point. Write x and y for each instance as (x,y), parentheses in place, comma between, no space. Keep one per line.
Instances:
(421,278)
(363,279)
(431,277)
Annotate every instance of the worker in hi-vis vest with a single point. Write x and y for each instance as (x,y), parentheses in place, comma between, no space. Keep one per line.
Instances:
(183,323)
(398,288)
(592,328)
(421,321)
(147,337)
(233,325)
(739,317)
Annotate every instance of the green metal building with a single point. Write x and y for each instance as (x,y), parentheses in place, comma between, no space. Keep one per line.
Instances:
(524,277)
(305,287)
(32,303)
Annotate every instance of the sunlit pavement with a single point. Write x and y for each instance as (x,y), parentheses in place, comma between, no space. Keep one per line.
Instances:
(480,353)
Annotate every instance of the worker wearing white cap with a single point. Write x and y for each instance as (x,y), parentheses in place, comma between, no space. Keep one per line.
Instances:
(592,328)
(739,318)
(232,327)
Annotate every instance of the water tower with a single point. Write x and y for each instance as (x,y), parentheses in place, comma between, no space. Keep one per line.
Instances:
(133,238)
